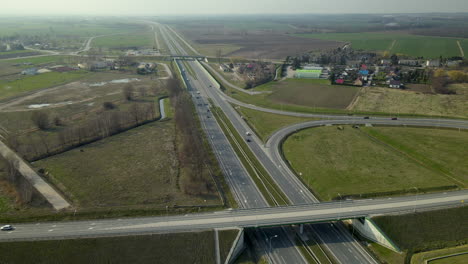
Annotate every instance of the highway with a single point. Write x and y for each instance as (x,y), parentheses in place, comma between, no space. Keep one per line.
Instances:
(253,217)
(241,184)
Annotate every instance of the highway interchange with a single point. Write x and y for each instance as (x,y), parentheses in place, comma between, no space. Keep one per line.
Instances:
(255,212)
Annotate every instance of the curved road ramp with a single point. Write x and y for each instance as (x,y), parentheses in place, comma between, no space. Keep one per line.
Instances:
(49,193)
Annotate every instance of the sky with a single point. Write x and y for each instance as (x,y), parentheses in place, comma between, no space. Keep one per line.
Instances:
(183,7)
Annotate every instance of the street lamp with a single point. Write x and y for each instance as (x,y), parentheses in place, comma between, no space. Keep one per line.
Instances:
(339,215)
(416,198)
(270,241)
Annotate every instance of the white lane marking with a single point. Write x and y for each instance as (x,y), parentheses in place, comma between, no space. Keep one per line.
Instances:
(50,230)
(91,228)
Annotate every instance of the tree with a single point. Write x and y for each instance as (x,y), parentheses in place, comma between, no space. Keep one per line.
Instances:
(128,92)
(40,119)
(219,53)
(394,59)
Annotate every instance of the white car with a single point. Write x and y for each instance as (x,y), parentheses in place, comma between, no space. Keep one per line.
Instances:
(7,228)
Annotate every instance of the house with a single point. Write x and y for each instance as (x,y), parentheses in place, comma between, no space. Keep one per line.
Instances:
(358,82)
(224,68)
(409,62)
(385,62)
(395,84)
(364,72)
(433,63)
(339,81)
(30,71)
(146,68)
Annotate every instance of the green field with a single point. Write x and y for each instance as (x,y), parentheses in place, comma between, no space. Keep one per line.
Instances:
(197,247)
(419,258)
(300,95)
(126,41)
(401,160)
(460,259)
(30,83)
(397,43)
(264,124)
(137,167)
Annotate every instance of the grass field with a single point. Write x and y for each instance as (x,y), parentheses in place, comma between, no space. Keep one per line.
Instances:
(125,41)
(197,247)
(300,95)
(376,99)
(264,124)
(425,231)
(137,167)
(440,150)
(423,256)
(348,162)
(397,43)
(35,82)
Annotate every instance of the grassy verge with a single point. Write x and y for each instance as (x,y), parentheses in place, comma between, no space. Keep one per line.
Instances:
(424,256)
(158,248)
(265,184)
(347,162)
(386,255)
(426,231)
(226,240)
(168,109)
(264,124)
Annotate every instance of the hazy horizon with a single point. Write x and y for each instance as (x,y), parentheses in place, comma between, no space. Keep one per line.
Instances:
(213,7)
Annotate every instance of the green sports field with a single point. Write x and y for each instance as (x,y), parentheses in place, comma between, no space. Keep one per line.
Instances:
(398,43)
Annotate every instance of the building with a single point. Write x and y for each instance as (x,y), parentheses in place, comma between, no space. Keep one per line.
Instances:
(409,62)
(433,63)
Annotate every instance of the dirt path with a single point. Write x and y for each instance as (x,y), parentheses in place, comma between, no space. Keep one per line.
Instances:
(462,52)
(392,45)
(51,195)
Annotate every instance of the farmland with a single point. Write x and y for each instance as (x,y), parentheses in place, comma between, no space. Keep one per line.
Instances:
(198,247)
(348,162)
(376,99)
(252,42)
(397,43)
(125,41)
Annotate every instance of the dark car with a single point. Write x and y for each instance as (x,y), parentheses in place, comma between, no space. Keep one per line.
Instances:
(394,118)
(366,117)
(248,140)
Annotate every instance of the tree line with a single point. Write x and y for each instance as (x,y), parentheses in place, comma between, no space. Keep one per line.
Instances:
(193,155)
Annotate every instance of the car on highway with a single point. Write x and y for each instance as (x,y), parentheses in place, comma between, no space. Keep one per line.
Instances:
(366,117)
(248,133)
(7,228)
(394,118)
(248,140)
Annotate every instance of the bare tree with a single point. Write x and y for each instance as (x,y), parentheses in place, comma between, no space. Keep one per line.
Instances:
(128,92)
(40,119)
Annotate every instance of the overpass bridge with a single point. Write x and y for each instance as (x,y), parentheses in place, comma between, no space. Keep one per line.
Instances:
(188,57)
(243,218)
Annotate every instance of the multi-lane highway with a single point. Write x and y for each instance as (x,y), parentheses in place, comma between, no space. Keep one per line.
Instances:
(243,187)
(253,217)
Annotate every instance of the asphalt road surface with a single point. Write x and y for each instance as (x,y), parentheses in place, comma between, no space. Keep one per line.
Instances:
(254,217)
